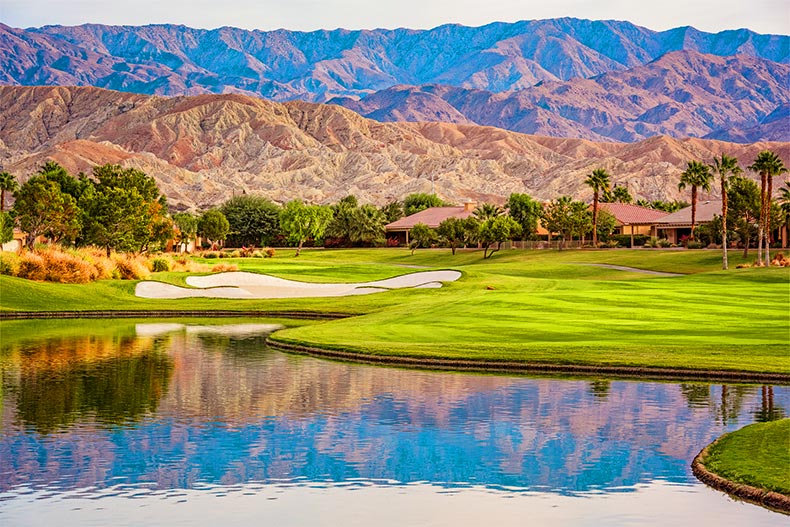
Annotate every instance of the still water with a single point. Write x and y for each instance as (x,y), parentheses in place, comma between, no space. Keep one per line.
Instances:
(183,423)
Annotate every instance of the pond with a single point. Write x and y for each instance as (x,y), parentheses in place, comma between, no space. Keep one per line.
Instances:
(183,422)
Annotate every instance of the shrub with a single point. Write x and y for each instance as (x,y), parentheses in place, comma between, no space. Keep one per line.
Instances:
(269,252)
(625,239)
(65,267)
(257,254)
(32,266)
(159,265)
(664,243)
(9,264)
(130,267)
(235,254)
(223,268)
(694,245)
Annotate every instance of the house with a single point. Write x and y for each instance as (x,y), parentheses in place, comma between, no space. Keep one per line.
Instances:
(678,224)
(16,243)
(633,219)
(432,217)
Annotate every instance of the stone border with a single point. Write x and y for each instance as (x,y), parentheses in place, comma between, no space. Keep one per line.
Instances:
(28,315)
(765,498)
(626,372)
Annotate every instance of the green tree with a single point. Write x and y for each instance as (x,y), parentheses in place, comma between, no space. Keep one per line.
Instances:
(214,226)
(497,230)
(607,223)
(393,211)
(414,203)
(187,224)
(123,210)
(454,231)
(768,165)
(743,198)
(724,167)
(72,186)
(6,227)
(367,226)
(599,181)
(421,236)
(526,211)
(8,183)
(254,220)
(666,206)
(42,209)
(697,176)
(784,204)
(301,222)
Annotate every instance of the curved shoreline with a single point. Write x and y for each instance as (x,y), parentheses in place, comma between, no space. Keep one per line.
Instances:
(430,363)
(764,498)
(472,365)
(165,313)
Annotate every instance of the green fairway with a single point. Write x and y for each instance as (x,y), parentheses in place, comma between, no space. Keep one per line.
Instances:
(528,306)
(757,455)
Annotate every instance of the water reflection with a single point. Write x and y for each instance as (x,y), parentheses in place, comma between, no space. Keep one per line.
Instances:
(203,406)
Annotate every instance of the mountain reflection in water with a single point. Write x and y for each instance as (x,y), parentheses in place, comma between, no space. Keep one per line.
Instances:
(175,406)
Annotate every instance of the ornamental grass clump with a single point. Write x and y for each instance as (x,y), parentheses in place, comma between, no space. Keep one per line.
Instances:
(130,267)
(66,268)
(224,268)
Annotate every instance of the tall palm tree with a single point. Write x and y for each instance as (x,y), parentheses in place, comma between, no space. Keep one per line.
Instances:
(724,167)
(768,165)
(697,176)
(599,181)
(7,184)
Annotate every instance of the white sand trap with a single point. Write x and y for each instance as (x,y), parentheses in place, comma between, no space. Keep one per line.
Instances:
(240,284)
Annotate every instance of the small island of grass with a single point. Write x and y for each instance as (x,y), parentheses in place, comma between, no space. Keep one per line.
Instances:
(752,463)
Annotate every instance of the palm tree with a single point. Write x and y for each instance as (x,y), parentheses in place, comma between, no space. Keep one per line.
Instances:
(599,182)
(697,175)
(768,165)
(724,166)
(488,211)
(784,203)
(7,184)
(621,195)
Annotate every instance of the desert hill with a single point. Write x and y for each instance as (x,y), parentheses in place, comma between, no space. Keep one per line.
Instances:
(204,148)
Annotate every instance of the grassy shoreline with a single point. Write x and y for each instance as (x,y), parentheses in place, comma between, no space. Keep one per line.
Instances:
(536,307)
(752,463)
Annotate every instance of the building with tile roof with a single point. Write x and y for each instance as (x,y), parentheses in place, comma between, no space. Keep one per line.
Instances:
(431,217)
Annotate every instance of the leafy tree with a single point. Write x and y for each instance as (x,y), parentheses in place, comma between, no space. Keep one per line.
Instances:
(42,209)
(599,181)
(421,236)
(724,166)
(607,223)
(768,165)
(8,183)
(697,175)
(367,226)
(526,211)
(214,226)
(743,198)
(414,203)
(393,211)
(566,217)
(495,231)
(123,210)
(301,222)
(784,204)
(254,220)
(72,186)
(187,224)
(486,211)
(457,231)
(6,227)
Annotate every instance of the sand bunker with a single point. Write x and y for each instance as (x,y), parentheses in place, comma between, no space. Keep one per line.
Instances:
(251,285)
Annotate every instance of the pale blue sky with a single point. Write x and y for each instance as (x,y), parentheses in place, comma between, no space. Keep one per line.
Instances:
(764,16)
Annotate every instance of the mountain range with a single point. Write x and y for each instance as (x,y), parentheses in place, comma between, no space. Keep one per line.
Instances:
(599,80)
(202,149)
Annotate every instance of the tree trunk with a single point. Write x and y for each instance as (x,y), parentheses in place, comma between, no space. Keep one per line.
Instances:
(761,221)
(693,210)
(453,248)
(595,220)
(299,248)
(724,262)
(768,193)
(2,199)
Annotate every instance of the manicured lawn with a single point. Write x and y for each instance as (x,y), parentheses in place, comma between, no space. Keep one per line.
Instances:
(531,306)
(757,455)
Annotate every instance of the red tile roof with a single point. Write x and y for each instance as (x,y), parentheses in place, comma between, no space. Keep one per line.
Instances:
(627,214)
(431,217)
(705,212)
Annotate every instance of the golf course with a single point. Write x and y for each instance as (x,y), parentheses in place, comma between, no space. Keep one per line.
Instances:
(539,307)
